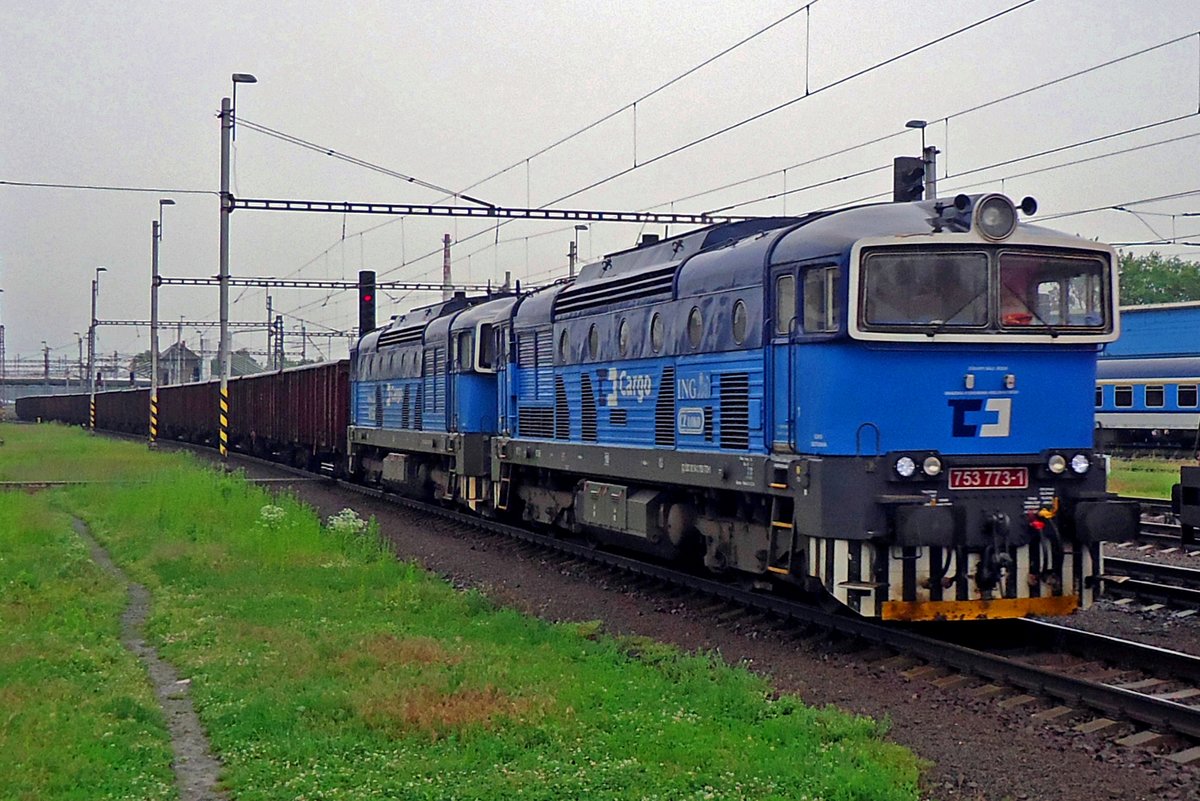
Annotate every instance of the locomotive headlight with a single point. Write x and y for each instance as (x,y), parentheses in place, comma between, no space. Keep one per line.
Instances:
(995,217)
(1080,463)
(932,466)
(1056,464)
(905,467)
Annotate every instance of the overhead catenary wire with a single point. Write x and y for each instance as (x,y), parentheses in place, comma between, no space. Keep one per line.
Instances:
(646,96)
(788,103)
(409,262)
(328,151)
(760,115)
(876,140)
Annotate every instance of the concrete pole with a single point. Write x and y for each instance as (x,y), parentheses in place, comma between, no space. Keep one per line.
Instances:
(92,361)
(572,255)
(446,290)
(270,334)
(223,276)
(154,236)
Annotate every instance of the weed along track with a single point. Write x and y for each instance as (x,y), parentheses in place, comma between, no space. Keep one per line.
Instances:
(196,769)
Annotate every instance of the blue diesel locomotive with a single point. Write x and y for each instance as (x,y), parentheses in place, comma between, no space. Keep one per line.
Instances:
(889,404)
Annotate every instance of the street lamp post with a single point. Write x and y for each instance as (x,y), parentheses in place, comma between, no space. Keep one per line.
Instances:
(227,112)
(574,253)
(155,238)
(79,365)
(92,352)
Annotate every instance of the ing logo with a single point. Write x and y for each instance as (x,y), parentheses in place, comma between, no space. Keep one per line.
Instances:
(974,419)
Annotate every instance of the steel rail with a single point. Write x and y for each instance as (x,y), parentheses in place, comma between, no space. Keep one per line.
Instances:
(1154,580)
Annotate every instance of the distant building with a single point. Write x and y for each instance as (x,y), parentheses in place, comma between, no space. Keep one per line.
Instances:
(1160,329)
(178,364)
(240,363)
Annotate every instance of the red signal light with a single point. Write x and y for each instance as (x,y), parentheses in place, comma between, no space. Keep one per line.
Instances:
(367,297)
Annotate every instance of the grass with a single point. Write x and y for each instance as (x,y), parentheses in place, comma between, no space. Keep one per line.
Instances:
(1144,478)
(323,668)
(77,718)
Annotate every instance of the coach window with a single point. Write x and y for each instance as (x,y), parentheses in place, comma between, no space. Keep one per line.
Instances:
(739,322)
(785,303)
(695,327)
(1154,396)
(623,337)
(1186,396)
(1099,396)
(820,300)
(564,346)
(593,341)
(656,332)
(1123,397)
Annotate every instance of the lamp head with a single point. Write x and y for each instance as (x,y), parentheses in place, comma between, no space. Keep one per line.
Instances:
(919,124)
(244,77)
(166,201)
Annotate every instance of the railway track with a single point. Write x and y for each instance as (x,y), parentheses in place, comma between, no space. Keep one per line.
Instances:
(1162,583)
(1103,679)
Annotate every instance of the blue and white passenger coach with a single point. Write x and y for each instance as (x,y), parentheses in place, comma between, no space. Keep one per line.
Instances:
(892,404)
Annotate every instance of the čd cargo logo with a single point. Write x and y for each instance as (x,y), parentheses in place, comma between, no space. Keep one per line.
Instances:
(972,418)
(625,385)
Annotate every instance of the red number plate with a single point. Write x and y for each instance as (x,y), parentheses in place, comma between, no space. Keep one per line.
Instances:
(966,478)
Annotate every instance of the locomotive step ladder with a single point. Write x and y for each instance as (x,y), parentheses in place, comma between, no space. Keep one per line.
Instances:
(782,535)
(505,488)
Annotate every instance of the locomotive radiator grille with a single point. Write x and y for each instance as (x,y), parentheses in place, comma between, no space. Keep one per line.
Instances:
(664,410)
(535,422)
(404,410)
(588,414)
(562,410)
(735,411)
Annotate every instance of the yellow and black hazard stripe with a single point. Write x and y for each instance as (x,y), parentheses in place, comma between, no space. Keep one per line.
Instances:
(224,433)
(153,418)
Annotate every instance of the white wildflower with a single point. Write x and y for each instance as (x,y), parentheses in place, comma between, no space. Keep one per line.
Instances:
(271,516)
(346,521)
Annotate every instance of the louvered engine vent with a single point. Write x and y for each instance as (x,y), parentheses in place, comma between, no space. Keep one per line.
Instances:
(536,423)
(664,409)
(588,415)
(735,411)
(562,410)
(652,284)
(400,336)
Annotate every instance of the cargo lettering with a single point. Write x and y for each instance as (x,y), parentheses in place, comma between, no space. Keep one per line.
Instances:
(626,385)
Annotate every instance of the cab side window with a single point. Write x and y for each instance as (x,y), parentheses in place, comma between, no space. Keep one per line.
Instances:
(785,303)
(821,310)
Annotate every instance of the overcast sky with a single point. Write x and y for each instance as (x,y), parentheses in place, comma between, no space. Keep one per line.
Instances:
(125,94)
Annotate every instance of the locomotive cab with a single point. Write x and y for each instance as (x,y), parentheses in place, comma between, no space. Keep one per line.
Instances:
(950,429)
